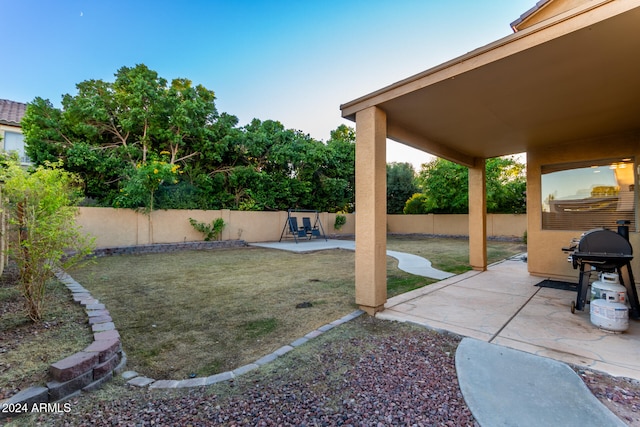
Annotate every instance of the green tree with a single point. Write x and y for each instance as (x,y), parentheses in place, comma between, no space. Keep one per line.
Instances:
(40,211)
(269,170)
(139,191)
(400,186)
(107,129)
(445,185)
(335,180)
(506,186)
(116,135)
(273,168)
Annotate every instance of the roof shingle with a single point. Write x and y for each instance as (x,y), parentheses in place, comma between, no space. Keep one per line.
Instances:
(11,112)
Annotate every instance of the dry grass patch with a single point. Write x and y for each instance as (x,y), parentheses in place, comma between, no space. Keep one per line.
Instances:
(197,313)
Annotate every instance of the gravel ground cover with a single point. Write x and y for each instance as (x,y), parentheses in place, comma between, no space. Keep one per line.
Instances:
(365,373)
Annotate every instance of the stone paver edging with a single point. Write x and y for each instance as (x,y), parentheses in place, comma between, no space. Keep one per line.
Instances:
(104,358)
(141,381)
(92,367)
(86,370)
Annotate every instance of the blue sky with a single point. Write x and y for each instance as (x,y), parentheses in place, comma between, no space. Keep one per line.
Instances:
(291,61)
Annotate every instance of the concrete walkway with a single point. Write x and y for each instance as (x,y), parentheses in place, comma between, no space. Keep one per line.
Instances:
(512,363)
(506,387)
(406,262)
(503,306)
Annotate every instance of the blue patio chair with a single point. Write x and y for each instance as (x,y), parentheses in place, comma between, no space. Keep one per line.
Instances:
(309,230)
(293,229)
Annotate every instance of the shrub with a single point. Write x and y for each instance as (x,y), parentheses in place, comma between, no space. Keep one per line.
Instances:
(211,231)
(41,213)
(417,204)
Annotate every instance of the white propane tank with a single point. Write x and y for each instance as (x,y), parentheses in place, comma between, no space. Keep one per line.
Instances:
(610,316)
(608,288)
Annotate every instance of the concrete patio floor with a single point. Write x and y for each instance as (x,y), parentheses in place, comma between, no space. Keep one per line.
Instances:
(503,306)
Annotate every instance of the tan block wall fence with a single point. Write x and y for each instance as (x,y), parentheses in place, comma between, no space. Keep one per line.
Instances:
(125,227)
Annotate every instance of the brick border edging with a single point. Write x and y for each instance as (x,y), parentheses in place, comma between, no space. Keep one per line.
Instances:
(140,381)
(97,364)
(89,369)
(86,370)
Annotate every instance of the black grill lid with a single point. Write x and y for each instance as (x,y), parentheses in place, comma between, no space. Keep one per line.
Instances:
(603,241)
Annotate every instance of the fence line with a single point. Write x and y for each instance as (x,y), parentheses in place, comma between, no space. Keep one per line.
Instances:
(126,227)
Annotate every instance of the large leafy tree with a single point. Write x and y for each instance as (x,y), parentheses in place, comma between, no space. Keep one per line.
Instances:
(445,186)
(107,130)
(335,180)
(278,168)
(400,186)
(142,142)
(506,186)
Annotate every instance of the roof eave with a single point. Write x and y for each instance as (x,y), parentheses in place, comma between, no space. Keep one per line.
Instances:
(489,53)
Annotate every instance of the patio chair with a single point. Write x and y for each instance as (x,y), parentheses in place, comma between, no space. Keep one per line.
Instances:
(309,230)
(293,229)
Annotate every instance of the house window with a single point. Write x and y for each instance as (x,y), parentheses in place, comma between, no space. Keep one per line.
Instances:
(586,195)
(14,141)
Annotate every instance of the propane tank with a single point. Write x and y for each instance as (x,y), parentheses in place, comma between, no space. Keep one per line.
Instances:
(608,288)
(610,316)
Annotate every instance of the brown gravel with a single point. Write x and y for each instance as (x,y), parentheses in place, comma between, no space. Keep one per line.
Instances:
(392,375)
(404,379)
(620,395)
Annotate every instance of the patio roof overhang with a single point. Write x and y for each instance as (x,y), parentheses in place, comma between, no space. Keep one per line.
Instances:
(574,76)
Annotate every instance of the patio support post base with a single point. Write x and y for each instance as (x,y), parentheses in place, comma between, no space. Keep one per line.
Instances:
(371,311)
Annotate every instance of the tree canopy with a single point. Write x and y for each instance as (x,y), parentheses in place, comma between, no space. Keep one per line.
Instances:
(142,142)
(401,185)
(444,187)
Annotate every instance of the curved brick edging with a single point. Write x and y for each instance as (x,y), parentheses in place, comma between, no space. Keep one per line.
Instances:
(97,364)
(86,370)
(140,381)
(90,368)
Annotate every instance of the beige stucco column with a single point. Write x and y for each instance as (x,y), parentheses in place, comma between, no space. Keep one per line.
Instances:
(478,216)
(371,209)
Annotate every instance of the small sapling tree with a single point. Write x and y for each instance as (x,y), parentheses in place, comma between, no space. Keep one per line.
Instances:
(41,215)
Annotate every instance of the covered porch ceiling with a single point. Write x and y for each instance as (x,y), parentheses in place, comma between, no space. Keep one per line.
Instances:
(571,77)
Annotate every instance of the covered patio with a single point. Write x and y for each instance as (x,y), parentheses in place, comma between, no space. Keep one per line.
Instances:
(503,306)
(563,88)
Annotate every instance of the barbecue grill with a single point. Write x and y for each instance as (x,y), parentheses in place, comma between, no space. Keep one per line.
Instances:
(603,250)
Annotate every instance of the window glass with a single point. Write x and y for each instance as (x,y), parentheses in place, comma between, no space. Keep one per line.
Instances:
(587,195)
(14,141)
